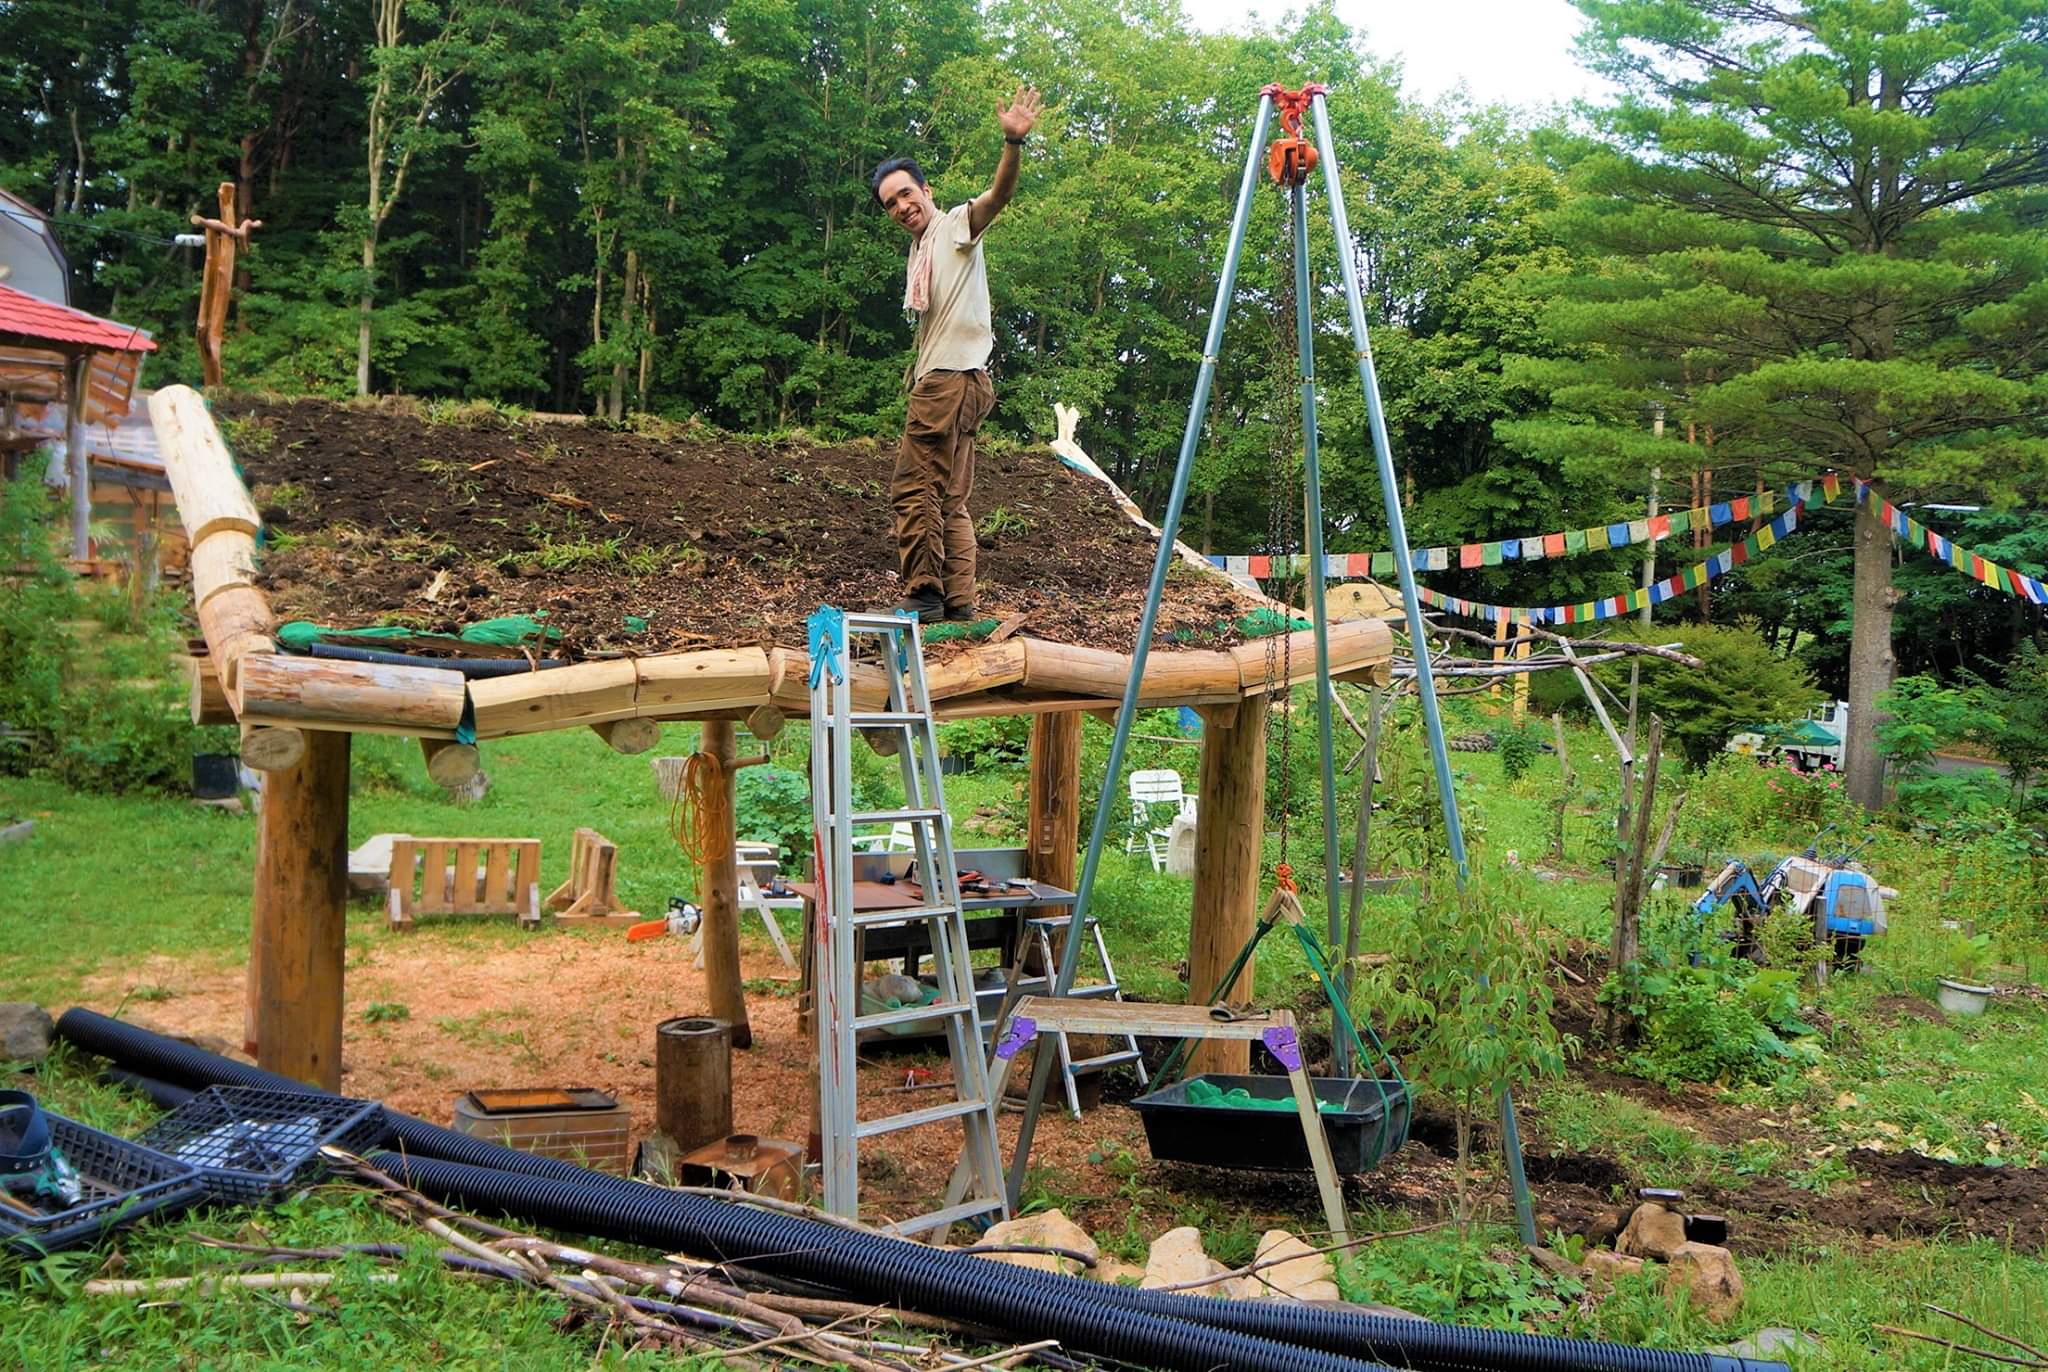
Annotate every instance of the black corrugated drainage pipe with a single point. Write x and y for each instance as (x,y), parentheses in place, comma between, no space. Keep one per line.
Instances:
(1416,1344)
(866,1266)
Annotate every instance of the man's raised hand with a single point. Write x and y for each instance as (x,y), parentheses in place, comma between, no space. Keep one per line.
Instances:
(1020,115)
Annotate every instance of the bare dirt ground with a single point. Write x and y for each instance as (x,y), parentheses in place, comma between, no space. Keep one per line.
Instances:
(579,1009)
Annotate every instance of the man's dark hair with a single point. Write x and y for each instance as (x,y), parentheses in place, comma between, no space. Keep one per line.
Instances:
(895,164)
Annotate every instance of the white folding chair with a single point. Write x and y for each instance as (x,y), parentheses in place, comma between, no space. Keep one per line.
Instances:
(1160,786)
(900,839)
(758,867)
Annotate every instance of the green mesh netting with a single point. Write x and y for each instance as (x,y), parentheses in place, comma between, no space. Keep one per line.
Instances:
(1263,622)
(1207,1093)
(953,633)
(506,631)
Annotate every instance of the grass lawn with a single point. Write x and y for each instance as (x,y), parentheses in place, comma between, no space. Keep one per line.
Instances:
(106,883)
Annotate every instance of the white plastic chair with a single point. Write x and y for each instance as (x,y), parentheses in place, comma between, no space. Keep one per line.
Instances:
(901,838)
(1161,786)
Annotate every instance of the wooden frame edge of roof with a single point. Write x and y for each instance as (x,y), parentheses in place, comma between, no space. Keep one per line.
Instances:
(1020,675)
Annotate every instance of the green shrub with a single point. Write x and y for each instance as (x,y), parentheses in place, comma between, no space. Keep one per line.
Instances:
(95,709)
(773,805)
(1519,748)
(1000,741)
(1740,684)
(1709,1016)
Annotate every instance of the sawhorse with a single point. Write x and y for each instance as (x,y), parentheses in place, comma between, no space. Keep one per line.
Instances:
(1037,1016)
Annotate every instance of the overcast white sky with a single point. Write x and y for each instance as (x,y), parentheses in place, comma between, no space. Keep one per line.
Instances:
(1505,51)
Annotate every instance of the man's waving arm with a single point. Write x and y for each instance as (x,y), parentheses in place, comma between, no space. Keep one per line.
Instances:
(1017,120)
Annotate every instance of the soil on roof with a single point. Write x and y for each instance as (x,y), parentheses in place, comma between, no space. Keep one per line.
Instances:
(376,516)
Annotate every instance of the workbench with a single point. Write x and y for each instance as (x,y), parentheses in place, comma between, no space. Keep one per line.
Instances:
(994,920)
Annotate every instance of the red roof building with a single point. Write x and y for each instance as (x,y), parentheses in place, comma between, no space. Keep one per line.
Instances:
(26,322)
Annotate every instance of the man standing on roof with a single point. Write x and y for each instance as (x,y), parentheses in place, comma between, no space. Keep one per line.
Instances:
(946,287)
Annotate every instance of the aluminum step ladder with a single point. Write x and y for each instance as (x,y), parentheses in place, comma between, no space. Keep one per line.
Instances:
(1041,933)
(905,713)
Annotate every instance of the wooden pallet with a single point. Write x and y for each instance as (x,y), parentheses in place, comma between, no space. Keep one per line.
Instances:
(588,894)
(464,876)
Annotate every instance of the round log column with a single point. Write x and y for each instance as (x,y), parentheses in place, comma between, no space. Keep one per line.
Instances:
(1229,847)
(720,893)
(1054,834)
(298,932)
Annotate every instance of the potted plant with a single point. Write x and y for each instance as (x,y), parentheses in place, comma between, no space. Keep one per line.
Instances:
(1960,992)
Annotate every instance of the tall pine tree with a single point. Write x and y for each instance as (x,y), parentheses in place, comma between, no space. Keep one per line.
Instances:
(1821,222)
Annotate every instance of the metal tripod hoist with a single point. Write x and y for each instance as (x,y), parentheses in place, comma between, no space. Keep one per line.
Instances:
(1290,162)
(905,712)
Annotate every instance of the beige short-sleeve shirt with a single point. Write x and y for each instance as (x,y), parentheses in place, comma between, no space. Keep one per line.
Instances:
(955,333)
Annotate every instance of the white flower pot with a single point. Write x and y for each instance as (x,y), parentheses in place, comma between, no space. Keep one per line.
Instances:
(1962,997)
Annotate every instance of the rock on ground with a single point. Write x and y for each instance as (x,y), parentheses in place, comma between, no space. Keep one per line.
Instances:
(1604,1266)
(1653,1232)
(1177,1258)
(1048,1229)
(1298,1272)
(25,1032)
(1708,1277)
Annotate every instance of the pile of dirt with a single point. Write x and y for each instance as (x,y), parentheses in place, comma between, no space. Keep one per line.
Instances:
(376,516)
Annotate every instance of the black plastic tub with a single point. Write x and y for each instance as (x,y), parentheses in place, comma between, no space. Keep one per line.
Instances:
(1364,1128)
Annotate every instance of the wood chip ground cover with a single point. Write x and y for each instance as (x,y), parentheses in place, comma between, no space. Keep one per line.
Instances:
(374,515)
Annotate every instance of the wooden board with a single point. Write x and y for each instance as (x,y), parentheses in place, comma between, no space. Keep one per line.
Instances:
(1143,1019)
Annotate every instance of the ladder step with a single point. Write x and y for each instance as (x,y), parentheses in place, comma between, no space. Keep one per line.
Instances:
(880,623)
(909,1014)
(875,719)
(915,912)
(1107,1060)
(889,1124)
(950,1216)
(894,816)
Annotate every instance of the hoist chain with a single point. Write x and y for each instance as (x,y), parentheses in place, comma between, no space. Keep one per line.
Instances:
(1280,517)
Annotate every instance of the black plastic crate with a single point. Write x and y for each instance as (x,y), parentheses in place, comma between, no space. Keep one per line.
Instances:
(251,1144)
(122,1182)
(1364,1128)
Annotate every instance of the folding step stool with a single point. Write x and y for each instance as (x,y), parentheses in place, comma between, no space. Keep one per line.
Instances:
(1041,932)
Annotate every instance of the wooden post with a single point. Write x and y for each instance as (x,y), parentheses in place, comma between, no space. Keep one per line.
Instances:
(298,936)
(76,462)
(1229,834)
(720,893)
(217,278)
(1053,830)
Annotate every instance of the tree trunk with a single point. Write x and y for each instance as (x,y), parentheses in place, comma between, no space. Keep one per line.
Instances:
(720,894)
(363,316)
(1870,656)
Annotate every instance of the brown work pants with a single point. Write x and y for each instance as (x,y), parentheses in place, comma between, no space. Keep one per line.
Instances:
(934,476)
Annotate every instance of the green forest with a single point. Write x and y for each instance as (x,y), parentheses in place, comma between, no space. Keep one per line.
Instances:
(1803,236)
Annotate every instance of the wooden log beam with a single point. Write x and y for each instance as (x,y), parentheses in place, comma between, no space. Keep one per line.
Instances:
(719,895)
(765,722)
(716,678)
(1229,835)
(210,496)
(272,748)
(209,697)
(361,697)
(585,693)
(982,667)
(1355,645)
(449,763)
(236,622)
(297,938)
(225,560)
(629,736)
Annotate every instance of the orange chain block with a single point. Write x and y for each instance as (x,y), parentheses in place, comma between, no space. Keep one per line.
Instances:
(1283,877)
(1291,159)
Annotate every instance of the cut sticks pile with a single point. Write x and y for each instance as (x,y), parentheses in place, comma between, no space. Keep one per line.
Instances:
(744,1318)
